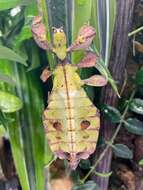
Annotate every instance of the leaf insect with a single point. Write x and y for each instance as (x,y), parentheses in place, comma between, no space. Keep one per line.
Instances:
(71,120)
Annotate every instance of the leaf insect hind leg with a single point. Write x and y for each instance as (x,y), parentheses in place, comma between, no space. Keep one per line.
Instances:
(95,80)
(46,73)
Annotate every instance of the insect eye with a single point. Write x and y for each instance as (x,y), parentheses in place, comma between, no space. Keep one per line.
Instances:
(61,30)
(54,30)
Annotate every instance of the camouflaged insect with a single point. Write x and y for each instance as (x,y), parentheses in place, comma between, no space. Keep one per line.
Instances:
(71,120)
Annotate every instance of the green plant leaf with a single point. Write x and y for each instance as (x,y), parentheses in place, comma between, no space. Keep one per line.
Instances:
(18,152)
(89,185)
(33,132)
(7,79)
(105,72)
(35,59)
(103,18)
(139,77)
(13,3)
(122,151)
(5,120)
(49,156)
(111,113)
(94,22)
(81,16)
(31,10)
(136,106)
(12,126)
(6,53)
(103,174)
(141,162)
(24,35)
(9,103)
(134,126)
(2,131)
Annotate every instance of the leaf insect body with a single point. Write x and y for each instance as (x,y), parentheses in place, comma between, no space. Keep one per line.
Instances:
(71,120)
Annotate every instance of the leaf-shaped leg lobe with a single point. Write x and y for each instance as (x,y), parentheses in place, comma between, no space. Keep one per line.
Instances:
(95,80)
(45,75)
(39,33)
(88,61)
(84,39)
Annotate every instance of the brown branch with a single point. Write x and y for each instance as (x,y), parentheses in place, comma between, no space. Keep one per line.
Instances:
(117,67)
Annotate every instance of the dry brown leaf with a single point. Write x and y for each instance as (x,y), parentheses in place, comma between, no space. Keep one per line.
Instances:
(138,46)
(126,176)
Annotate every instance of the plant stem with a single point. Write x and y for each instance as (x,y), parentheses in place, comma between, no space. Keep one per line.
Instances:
(111,141)
(45,15)
(40,12)
(135,31)
(117,64)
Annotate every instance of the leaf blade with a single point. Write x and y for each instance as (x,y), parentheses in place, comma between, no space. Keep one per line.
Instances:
(9,103)
(13,3)
(7,79)
(134,126)
(136,106)
(7,53)
(122,151)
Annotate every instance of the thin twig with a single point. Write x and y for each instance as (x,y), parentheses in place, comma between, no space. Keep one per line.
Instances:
(111,141)
(135,31)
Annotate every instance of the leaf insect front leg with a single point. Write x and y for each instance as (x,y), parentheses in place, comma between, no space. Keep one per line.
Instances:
(84,39)
(39,33)
(46,73)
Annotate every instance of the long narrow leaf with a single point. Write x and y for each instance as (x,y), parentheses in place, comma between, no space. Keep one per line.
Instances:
(103,18)
(81,15)
(14,132)
(7,79)
(94,23)
(18,153)
(44,6)
(7,4)
(6,53)
(111,16)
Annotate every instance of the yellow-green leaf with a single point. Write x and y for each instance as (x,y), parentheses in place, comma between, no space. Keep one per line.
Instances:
(9,103)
